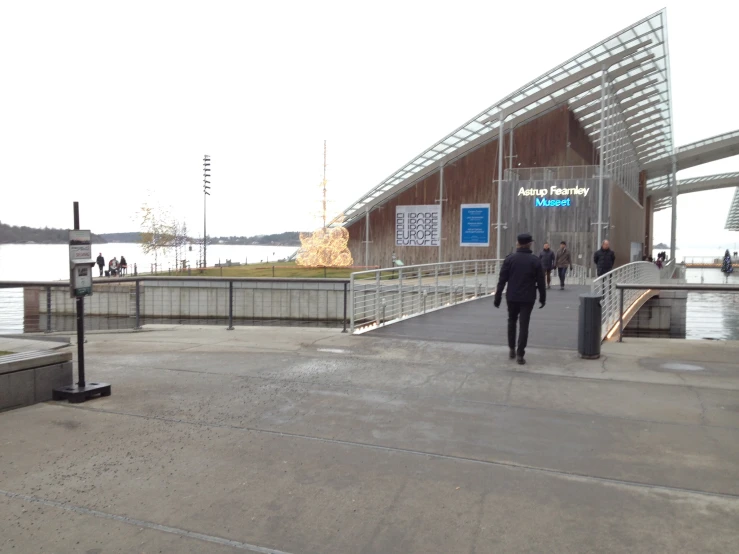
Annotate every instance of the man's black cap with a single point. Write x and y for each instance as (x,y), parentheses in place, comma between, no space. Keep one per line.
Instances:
(524,238)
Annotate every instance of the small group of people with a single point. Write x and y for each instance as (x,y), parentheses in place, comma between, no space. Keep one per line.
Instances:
(115,267)
(524,273)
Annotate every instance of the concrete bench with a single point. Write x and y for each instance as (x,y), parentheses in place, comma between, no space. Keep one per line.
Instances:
(30,377)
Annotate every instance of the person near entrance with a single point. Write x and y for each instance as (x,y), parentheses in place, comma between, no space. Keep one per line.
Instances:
(101,263)
(546,256)
(563,260)
(604,258)
(523,273)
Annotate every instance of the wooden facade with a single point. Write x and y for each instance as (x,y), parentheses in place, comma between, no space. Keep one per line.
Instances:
(552,139)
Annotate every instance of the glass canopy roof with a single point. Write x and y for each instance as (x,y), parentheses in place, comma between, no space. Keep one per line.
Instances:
(732,221)
(637,64)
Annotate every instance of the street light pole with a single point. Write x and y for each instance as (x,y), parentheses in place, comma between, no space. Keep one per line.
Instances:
(206,182)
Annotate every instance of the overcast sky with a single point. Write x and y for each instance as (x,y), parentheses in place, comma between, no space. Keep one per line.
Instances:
(111,103)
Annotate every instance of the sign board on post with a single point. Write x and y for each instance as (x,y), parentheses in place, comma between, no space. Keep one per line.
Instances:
(80,246)
(418,225)
(82,280)
(80,263)
(474,225)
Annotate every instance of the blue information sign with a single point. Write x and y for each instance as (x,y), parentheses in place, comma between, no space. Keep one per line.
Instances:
(475,225)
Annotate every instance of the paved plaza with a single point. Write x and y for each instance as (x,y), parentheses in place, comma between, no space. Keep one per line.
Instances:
(309,441)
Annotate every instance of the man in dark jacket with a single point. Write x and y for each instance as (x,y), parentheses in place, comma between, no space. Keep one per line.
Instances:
(101,263)
(523,273)
(604,258)
(563,260)
(546,257)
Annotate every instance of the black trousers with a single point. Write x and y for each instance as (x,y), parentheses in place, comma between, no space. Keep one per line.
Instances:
(548,273)
(101,270)
(562,274)
(521,312)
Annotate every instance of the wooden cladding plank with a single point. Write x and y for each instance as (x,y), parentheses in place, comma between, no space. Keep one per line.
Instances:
(553,139)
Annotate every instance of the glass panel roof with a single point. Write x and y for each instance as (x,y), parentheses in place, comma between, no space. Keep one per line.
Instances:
(638,63)
(732,221)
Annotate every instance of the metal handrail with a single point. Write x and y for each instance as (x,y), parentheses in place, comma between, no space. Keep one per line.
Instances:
(695,287)
(383,296)
(48,285)
(622,287)
(406,267)
(668,269)
(151,278)
(604,286)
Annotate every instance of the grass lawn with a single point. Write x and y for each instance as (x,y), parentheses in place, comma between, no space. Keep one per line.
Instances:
(277,269)
(4,352)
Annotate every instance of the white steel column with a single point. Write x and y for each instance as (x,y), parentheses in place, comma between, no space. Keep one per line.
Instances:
(673,230)
(366,238)
(441,206)
(602,154)
(501,126)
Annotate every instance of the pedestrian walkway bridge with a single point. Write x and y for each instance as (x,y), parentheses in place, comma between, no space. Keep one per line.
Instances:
(453,302)
(554,326)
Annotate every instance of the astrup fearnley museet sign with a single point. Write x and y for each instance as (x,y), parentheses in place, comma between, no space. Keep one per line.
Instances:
(556,193)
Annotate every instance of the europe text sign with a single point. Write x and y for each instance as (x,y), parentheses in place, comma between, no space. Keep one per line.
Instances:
(417,225)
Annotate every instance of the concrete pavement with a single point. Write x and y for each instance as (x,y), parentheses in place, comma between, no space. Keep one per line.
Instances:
(309,441)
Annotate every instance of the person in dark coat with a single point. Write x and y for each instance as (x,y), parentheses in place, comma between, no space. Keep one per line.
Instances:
(563,260)
(101,263)
(523,274)
(546,256)
(604,258)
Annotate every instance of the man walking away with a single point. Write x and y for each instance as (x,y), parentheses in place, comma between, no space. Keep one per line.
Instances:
(563,260)
(604,258)
(546,257)
(101,263)
(523,274)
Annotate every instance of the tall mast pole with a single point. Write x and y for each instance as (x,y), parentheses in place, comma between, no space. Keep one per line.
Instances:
(324,184)
(206,182)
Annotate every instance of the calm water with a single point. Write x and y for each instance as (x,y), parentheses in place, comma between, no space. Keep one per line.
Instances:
(712,315)
(49,262)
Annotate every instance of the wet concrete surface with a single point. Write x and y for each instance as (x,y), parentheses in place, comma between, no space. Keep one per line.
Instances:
(309,441)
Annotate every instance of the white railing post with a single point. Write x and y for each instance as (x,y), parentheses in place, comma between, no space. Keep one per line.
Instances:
(351,303)
(451,283)
(377,297)
(477,281)
(464,281)
(436,286)
(400,291)
(420,286)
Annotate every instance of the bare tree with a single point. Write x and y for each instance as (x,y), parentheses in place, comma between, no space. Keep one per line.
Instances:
(157,236)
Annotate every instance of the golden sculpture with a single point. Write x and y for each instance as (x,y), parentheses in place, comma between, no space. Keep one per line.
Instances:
(325,247)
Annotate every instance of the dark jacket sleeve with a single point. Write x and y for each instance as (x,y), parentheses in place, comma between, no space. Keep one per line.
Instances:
(503,279)
(596,257)
(541,284)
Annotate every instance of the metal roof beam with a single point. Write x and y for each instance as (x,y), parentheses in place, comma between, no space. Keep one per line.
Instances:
(569,80)
(698,184)
(641,124)
(595,108)
(647,133)
(595,96)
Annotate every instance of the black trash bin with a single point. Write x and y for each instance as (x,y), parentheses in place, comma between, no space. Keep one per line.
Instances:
(589,326)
